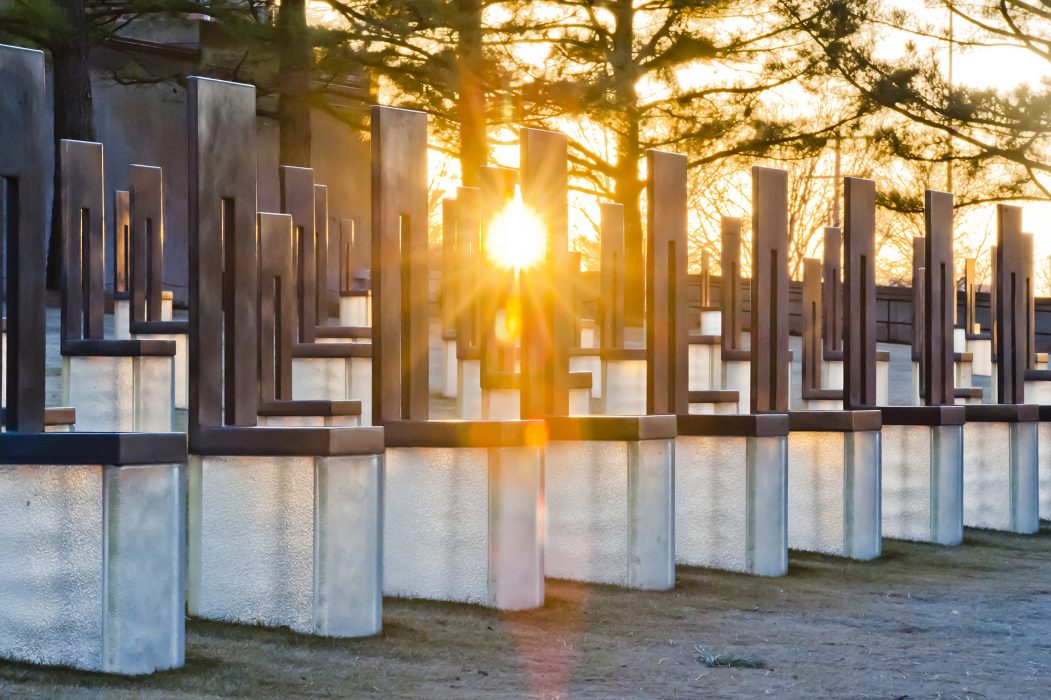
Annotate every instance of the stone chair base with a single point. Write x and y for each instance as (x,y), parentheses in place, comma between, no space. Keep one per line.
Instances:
(93,550)
(731,493)
(120,393)
(834,483)
(923,473)
(288,539)
(609,497)
(463,512)
(1000,468)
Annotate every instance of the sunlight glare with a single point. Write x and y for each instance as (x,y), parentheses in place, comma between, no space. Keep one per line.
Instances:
(516,239)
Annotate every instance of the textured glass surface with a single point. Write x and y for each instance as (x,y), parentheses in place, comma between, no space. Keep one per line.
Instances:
(154,394)
(832,374)
(591,364)
(586,496)
(959,339)
(651,514)
(309,421)
(92,567)
(436,523)
(1045,470)
(915,400)
(947,484)
(121,318)
(51,533)
(500,404)
(348,596)
(1025,481)
(180,378)
(882,383)
(822,405)
(354,311)
(711,502)
(982,350)
(145,568)
(737,375)
(516,528)
(987,475)
(711,322)
(625,387)
(320,378)
(361,386)
(862,495)
(579,402)
(252,540)
(767,549)
(907,482)
(1038,392)
(963,373)
(816,508)
(102,390)
(700,366)
(469,390)
(448,381)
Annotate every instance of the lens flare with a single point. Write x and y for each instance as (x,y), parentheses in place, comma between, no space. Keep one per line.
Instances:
(508,322)
(517,238)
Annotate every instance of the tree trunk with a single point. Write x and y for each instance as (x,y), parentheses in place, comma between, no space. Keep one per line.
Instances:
(293,83)
(73,115)
(627,188)
(474,149)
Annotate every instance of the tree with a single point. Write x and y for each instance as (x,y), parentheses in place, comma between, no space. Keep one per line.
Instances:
(939,121)
(441,57)
(702,77)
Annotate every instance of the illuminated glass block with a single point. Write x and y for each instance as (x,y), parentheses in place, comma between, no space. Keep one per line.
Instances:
(287,542)
(730,503)
(923,483)
(1000,476)
(93,566)
(834,493)
(465,524)
(610,512)
(624,382)
(120,393)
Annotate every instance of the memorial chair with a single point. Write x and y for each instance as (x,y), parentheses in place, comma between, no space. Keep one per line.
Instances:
(971,337)
(115,385)
(923,448)
(834,456)
(731,471)
(285,523)
(1037,382)
(355,299)
(326,365)
(1001,484)
(463,500)
(608,479)
(714,345)
(149,304)
(92,536)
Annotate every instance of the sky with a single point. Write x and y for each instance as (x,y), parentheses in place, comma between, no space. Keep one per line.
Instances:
(985,67)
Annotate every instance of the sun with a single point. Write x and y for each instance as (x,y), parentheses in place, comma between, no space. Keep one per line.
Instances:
(517,237)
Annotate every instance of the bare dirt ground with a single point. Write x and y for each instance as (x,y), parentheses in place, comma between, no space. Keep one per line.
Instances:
(922,621)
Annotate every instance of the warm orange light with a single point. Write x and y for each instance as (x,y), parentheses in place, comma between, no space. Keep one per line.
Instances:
(517,238)
(508,322)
